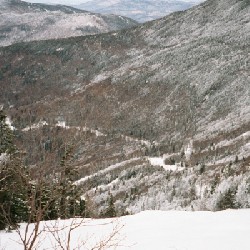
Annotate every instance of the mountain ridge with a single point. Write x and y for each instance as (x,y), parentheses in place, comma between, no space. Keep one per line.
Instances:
(21,21)
(141,11)
(22,6)
(174,90)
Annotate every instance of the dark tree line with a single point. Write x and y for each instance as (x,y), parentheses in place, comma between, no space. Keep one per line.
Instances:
(27,198)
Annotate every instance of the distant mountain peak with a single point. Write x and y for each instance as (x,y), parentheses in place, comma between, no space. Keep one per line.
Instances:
(140,10)
(23,21)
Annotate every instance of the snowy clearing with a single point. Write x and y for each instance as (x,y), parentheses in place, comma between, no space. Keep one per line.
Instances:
(159,161)
(171,230)
(9,123)
(38,125)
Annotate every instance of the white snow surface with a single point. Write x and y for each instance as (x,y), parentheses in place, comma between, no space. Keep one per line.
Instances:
(189,150)
(61,124)
(35,126)
(9,123)
(159,161)
(149,230)
(4,158)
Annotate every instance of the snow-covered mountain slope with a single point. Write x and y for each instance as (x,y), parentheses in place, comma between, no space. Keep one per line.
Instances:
(139,10)
(146,231)
(21,21)
(20,6)
(176,88)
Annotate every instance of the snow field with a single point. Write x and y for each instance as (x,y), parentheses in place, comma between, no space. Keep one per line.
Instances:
(159,161)
(149,230)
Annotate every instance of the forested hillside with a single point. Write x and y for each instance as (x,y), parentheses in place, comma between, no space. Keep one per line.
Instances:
(156,116)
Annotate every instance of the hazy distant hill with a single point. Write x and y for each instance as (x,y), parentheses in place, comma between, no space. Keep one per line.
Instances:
(22,21)
(139,10)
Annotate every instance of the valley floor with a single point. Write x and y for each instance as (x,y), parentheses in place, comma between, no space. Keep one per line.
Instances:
(149,230)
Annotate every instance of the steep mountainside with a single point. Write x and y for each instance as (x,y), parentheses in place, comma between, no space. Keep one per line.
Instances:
(140,10)
(177,88)
(21,21)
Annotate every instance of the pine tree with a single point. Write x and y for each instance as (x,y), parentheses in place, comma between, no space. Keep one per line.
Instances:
(82,208)
(69,193)
(6,136)
(13,180)
(110,212)
(227,200)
